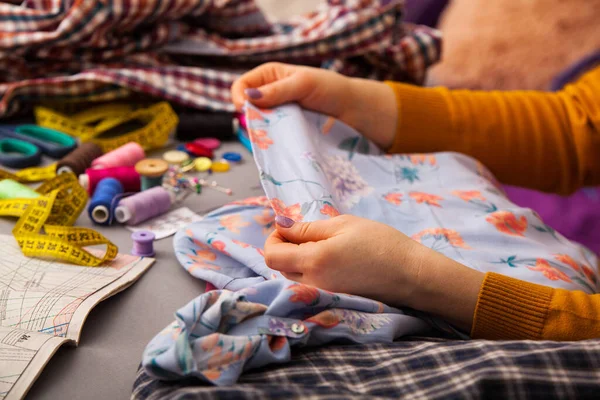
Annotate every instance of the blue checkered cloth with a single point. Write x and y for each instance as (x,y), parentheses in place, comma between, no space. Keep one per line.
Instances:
(417,368)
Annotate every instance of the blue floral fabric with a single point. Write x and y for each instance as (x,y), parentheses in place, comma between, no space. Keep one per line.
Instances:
(314,167)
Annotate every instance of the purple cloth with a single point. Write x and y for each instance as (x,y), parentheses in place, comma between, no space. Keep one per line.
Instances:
(577,216)
(424,12)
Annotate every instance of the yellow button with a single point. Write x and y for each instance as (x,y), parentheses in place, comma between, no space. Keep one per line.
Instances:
(175,157)
(220,166)
(202,164)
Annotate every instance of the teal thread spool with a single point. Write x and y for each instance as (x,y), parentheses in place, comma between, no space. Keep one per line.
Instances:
(10,189)
(151,172)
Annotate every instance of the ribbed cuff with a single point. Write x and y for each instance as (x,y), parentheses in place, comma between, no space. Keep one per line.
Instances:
(423,119)
(508,308)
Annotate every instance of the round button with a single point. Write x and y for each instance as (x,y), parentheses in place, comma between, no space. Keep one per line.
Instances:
(188,165)
(220,166)
(198,150)
(297,328)
(209,142)
(232,157)
(175,157)
(202,164)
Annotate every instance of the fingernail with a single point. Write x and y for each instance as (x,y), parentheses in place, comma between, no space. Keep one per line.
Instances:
(253,93)
(284,222)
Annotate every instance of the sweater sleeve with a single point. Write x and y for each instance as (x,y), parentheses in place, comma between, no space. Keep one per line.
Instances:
(511,309)
(541,140)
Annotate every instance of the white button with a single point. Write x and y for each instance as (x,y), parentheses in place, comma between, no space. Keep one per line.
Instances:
(297,328)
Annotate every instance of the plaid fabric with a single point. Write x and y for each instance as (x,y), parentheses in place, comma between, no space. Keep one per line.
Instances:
(98,50)
(412,369)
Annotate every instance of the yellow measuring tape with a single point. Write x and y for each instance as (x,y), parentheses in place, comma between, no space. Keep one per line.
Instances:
(54,212)
(159,121)
(33,174)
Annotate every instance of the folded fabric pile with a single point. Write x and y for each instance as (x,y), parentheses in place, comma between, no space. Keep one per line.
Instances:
(313,167)
(190,51)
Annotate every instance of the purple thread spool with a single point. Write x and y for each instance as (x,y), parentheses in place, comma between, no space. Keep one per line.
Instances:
(143,244)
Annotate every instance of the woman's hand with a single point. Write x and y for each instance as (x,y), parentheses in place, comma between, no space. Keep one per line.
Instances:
(368,106)
(354,255)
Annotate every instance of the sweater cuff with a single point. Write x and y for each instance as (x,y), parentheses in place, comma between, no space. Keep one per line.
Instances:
(423,113)
(510,309)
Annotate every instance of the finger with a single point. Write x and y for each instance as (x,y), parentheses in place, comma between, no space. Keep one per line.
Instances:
(302,232)
(259,76)
(294,87)
(293,276)
(282,255)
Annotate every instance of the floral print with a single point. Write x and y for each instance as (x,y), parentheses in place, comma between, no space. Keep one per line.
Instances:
(253,201)
(441,236)
(566,259)
(506,222)
(304,294)
(322,168)
(476,198)
(393,198)
(347,184)
(292,212)
(266,220)
(430,199)
(233,223)
(327,125)
(468,195)
(329,210)
(549,271)
(260,138)
(422,159)
(325,319)
(241,244)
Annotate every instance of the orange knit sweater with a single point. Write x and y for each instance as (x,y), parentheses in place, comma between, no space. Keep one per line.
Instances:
(545,141)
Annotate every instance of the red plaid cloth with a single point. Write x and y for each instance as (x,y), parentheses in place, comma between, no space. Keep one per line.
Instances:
(98,50)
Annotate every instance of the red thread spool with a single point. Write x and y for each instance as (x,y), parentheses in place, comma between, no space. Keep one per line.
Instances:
(128,176)
(198,150)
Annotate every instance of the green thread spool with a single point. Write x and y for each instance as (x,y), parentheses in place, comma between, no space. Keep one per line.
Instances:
(10,189)
(151,172)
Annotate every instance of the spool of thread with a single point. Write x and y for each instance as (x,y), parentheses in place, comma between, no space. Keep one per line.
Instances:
(102,205)
(10,189)
(79,159)
(242,120)
(151,171)
(125,156)
(143,244)
(144,205)
(128,177)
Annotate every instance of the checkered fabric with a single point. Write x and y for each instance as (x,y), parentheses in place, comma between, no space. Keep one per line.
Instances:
(97,50)
(411,369)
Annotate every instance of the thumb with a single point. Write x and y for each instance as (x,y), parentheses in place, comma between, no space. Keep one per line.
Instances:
(286,90)
(302,232)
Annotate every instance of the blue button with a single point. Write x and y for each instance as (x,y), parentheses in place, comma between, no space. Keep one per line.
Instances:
(232,157)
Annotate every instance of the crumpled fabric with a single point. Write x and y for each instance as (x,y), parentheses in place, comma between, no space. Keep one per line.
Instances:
(189,52)
(313,167)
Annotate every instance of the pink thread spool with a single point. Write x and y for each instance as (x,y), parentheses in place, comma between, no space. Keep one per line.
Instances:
(144,205)
(143,244)
(128,177)
(124,156)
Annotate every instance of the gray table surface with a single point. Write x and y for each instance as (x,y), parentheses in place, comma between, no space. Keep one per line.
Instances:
(117,330)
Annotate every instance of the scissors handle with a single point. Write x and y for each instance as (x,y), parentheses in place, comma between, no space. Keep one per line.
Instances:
(15,153)
(52,143)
